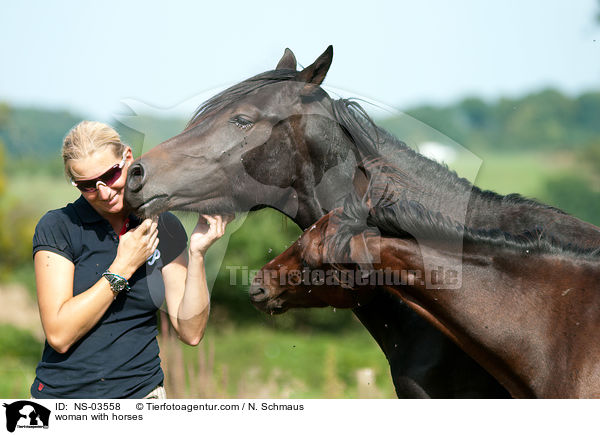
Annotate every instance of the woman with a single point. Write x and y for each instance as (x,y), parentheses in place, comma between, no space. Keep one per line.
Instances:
(101,275)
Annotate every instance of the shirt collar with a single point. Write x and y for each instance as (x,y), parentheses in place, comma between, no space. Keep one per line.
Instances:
(86,212)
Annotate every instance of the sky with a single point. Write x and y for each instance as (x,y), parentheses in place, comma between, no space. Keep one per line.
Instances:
(89,57)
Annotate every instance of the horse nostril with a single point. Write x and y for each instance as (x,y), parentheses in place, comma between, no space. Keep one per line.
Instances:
(257,292)
(136,177)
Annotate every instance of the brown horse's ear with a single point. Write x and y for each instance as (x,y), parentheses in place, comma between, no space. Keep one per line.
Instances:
(360,181)
(359,252)
(287,61)
(316,72)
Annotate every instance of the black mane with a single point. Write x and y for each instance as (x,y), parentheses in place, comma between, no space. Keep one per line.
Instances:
(385,208)
(237,91)
(375,143)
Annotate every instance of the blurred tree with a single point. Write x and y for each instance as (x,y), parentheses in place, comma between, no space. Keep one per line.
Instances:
(587,112)
(2,177)
(590,156)
(542,120)
(34,132)
(573,194)
(475,112)
(16,228)
(4,113)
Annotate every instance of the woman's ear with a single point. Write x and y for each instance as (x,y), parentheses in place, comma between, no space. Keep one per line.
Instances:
(129,155)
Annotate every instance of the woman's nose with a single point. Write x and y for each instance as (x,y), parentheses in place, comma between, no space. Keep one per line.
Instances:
(103,190)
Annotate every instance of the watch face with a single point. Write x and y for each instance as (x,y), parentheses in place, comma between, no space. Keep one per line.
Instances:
(118,286)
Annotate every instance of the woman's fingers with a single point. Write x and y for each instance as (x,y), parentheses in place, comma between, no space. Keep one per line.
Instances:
(217,223)
(209,219)
(210,223)
(146,226)
(152,238)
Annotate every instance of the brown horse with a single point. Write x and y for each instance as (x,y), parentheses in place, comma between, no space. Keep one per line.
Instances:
(527,308)
(278,140)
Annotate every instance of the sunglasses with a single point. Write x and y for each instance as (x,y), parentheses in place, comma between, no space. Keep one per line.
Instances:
(108,178)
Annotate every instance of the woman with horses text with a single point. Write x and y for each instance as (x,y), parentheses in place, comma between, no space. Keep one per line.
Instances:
(102,274)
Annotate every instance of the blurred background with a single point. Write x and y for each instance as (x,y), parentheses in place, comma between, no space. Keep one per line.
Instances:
(505,93)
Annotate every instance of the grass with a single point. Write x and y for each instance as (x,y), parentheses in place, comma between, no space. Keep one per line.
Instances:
(256,362)
(20,353)
(259,362)
(524,173)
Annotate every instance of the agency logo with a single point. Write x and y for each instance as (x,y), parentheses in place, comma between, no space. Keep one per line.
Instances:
(24,414)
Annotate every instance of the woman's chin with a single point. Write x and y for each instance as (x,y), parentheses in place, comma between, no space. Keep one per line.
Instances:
(114,207)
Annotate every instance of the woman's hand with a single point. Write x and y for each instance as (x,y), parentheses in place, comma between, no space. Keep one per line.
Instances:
(207,231)
(135,246)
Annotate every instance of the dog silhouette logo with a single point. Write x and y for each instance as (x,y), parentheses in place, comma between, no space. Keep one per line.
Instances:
(26,414)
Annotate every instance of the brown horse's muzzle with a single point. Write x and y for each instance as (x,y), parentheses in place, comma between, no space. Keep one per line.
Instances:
(262,297)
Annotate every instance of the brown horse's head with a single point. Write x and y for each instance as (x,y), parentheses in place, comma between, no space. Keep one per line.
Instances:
(266,141)
(313,273)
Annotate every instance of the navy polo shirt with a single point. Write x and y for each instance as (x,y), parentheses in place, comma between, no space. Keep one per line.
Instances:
(118,357)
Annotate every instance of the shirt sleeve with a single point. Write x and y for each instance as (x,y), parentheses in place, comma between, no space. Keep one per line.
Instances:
(172,236)
(52,234)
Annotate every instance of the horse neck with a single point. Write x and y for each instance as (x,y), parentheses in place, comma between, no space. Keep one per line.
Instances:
(519,216)
(440,190)
(328,180)
(529,321)
(425,181)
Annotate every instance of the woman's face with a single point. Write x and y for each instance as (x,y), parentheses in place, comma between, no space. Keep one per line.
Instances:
(105,199)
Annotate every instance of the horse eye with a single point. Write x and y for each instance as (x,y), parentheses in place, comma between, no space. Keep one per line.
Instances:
(241,122)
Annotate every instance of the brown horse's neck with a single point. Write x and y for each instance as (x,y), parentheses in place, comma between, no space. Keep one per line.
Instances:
(531,321)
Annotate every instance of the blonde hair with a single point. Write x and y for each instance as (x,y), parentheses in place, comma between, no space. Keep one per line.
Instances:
(85,139)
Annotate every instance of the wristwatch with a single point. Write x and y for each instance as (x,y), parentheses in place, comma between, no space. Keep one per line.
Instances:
(117,282)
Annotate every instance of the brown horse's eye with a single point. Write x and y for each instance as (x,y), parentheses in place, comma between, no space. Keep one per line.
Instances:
(241,122)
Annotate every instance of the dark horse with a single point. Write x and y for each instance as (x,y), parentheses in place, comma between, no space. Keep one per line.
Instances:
(278,140)
(528,309)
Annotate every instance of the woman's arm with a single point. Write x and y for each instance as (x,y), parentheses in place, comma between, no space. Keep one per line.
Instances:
(67,318)
(186,291)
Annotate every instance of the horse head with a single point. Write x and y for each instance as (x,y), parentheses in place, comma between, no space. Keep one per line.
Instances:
(318,270)
(267,141)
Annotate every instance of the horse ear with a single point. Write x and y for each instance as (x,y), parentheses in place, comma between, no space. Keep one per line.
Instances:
(359,253)
(287,61)
(316,72)
(360,180)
